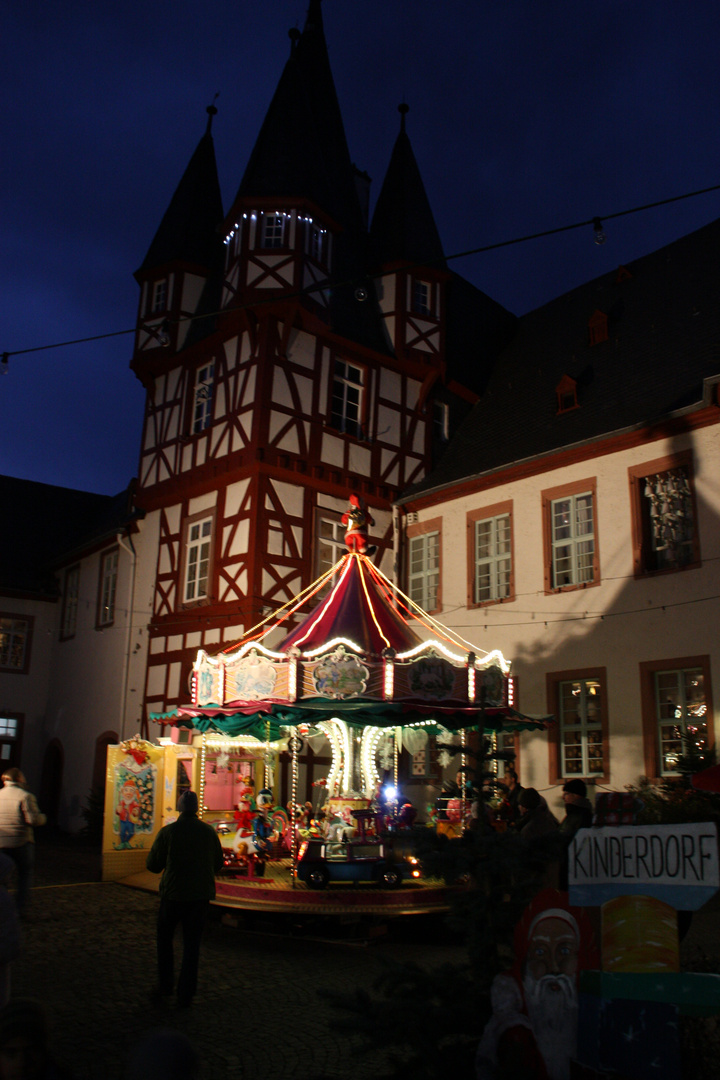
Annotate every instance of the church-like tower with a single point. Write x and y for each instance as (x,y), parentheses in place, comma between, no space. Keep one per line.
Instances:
(291,355)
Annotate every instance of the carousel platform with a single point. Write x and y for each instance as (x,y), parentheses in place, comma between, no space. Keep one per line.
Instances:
(275,891)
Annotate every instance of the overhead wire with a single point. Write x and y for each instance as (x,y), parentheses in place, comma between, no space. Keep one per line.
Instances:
(328,284)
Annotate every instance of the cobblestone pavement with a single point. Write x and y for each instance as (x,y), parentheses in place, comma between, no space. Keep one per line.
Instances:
(89,955)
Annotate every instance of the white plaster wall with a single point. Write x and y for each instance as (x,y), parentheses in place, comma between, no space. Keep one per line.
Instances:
(618,624)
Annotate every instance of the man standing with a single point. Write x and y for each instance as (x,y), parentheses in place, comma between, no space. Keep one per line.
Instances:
(189,853)
(18,814)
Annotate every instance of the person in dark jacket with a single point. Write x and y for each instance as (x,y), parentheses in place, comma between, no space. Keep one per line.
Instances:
(578,809)
(189,854)
(536,818)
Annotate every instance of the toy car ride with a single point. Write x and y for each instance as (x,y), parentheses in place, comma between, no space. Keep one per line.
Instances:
(321,862)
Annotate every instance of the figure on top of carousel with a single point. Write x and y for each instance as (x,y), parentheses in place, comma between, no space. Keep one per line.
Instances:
(357,520)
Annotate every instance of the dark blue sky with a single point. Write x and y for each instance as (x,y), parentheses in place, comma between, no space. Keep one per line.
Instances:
(524,116)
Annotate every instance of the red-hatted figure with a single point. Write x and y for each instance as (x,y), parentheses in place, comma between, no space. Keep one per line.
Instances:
(356,522)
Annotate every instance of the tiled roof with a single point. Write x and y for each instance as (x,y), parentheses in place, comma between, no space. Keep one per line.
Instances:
(45,524)
(190,228)
(663,321)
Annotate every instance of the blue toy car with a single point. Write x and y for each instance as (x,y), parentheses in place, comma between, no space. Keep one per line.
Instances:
(321,862)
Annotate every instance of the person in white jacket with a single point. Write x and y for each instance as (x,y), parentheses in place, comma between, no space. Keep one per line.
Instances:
(19,813)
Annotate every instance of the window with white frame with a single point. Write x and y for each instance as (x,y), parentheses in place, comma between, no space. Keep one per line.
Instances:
(15,632)
(108,587)
(203,397)
(347,398)
(330,542)
(581,707)
(71,594)
(197,559)
(424,569)
(681,711)
(493,559)
(572,525)
(421,297)
(273,230)
(158,303)
(9,735)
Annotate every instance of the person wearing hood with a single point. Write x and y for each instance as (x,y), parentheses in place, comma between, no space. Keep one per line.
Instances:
(578,808)
(536,818)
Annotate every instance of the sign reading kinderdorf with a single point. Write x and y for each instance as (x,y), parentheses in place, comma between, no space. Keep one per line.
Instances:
(674,863)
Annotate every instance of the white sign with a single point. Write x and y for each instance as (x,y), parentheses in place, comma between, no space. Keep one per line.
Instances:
(675,863)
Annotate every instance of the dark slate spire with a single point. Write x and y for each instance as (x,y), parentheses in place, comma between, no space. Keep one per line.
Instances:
(302,150)
(403,228)
(188,231)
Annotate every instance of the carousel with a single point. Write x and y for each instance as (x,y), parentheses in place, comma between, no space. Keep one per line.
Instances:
(293,740)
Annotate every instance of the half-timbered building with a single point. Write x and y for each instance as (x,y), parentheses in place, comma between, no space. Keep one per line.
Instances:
(292,352)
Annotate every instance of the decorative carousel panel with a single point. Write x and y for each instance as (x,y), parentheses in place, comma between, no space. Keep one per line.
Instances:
(337,675)
(491,686)
(254,678)
(209,683)
(431,678)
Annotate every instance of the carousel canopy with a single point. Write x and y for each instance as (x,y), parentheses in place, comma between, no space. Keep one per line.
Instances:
(365,653)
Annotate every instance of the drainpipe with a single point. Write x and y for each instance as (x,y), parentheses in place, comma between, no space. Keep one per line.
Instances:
(128,636)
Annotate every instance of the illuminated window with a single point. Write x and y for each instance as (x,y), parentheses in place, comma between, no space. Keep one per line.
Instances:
(421,297)
(108,586)
(424,570)
(70,602)
(677,713)
(203,397)
(159,297)
(571,554)
(493,559)
(273,230)
(15,633)
(347,398)
(579,744)
(663,515)
(681,710)
(9,739)
(197,559)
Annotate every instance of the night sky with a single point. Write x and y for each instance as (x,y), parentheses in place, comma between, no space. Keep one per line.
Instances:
(524,116)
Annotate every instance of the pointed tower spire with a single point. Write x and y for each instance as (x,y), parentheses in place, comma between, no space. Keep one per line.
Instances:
(189,228)
(301,151)
(403,227)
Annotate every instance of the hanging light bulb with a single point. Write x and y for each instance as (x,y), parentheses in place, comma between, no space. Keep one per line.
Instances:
(598,231)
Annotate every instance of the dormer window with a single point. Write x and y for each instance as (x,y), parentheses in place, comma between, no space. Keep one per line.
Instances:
(566,391)
(159,297)
(273,230)
(316,244)
(422,297)
(441,421)
(597,328)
